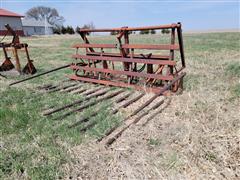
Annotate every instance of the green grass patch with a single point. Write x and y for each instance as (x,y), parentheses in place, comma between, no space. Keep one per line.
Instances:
(233,69)
(154,142)
(35,146)
(236,91)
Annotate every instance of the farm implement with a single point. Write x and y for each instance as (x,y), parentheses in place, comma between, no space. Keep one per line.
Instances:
(143,73)
(15,46)
(126,67)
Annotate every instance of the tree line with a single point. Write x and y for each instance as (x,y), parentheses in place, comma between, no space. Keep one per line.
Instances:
(52,16)
(151,31)
(71,30)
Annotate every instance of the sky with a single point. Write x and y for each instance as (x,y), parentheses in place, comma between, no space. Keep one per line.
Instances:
(193,14)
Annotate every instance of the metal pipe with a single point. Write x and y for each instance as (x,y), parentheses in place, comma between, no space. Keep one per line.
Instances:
(41,74)
(131,29)
(165,88)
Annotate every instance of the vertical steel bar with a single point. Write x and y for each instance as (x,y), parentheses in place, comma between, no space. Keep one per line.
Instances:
(84,37)
(126,41)
(172,51)
(180,40)
(18,66)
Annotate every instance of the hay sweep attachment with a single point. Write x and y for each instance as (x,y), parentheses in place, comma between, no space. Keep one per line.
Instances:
(15,46)
(126,65)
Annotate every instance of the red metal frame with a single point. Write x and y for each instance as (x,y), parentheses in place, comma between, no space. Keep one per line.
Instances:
(122,68)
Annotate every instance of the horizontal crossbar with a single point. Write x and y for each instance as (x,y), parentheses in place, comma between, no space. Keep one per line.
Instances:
(95,46)
(133,28)
(118,84)
(134,56)
(148,46)
(121,59)
(129,73)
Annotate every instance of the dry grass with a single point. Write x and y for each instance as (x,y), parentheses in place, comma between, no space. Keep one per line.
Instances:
(197,134)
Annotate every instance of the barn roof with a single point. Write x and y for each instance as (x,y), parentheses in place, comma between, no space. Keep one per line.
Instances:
(4,12)
(33,22)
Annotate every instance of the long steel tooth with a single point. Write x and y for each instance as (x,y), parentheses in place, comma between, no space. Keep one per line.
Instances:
(51,87)
(123,97)
(148,111)
(97,94)
(85,119)
(91,91)
(111,140)
(76,102)
(156,113)
(129,102)
(71,89)
(109,131)
(135,121)
(89,104)
(80,91)
(133,100)
(88,126)
(44,86)
(61,88)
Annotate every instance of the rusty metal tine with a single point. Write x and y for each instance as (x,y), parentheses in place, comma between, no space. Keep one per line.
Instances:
(80,91)
(72,89)
(156,113)
(123,97)
(63,107)
(69,86)
(147,112)
(133,100)
(108,133)
(137,119)
(96,94)
(75,103)
(111,140)
(91,103)
(165,88)
(61,88)
(129,102)
(88,126)
(44,86)
(85,119)
(92,91)
(51,87)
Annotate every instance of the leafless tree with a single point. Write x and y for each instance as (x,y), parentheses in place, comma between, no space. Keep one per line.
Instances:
(41,12)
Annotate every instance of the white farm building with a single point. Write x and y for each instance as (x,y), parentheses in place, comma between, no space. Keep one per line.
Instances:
(23,26)
(34,27)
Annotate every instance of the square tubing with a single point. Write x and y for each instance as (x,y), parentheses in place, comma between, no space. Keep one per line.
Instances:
(172,51)
(126,41)
(15,53)
(180,40)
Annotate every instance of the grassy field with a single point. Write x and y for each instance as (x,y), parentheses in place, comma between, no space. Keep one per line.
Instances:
(196,136)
